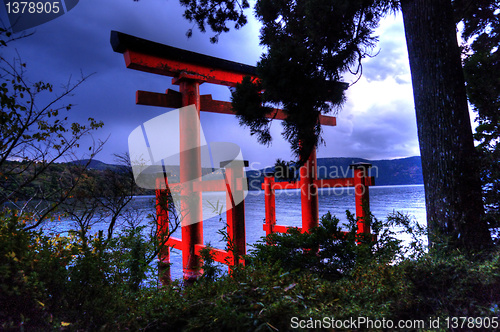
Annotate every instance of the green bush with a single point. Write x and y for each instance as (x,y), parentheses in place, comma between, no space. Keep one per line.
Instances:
(93,284)
(67,281)
(380,278)
(454,286)
(33,273)
(333,253)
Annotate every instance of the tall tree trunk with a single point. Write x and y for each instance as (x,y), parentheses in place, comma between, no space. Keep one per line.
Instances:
(450,169)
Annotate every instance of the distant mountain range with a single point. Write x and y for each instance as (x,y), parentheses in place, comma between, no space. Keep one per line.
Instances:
(402,171)
(386,172)
(97,165)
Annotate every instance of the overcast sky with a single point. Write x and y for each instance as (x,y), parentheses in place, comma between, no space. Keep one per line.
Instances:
(377,122)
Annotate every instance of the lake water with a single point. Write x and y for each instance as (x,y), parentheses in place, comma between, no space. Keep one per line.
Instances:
(383,201)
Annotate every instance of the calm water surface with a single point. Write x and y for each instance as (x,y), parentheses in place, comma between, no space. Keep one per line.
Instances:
(383,201)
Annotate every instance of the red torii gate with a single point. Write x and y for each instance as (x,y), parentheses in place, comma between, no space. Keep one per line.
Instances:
(189,70)
(361,182)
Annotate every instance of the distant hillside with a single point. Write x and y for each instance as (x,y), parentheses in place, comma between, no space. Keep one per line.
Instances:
(172,170)
(386,172)
(97,165)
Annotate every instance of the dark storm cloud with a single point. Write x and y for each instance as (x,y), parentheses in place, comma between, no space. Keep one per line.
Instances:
(381,129)
(388,130)
(378,120)
(78,42)
(391,58)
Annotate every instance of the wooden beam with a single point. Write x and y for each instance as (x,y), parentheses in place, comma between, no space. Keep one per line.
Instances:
(145,55)
(219,255)
(174,243)
(175,68)
(209,185)
(323,183)
(122,43)
(207,104)
(334,183)
(152,57)
(224,107)
(279,228)
(344,182)
(286,185)
(327,120)
(171,99)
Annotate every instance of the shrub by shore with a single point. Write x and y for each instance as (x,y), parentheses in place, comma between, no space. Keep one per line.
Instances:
(64,283)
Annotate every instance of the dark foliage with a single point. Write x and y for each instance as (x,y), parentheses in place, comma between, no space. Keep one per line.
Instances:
(35,133)
(52,282)
(286,170)
(482,73)
(62,283)
(310,45)
(249,106)
(215,14)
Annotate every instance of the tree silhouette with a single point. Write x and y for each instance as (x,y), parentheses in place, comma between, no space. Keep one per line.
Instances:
(313,42)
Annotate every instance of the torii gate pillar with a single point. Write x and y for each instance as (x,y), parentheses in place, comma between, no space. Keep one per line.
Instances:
(190,171)
(309,193)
